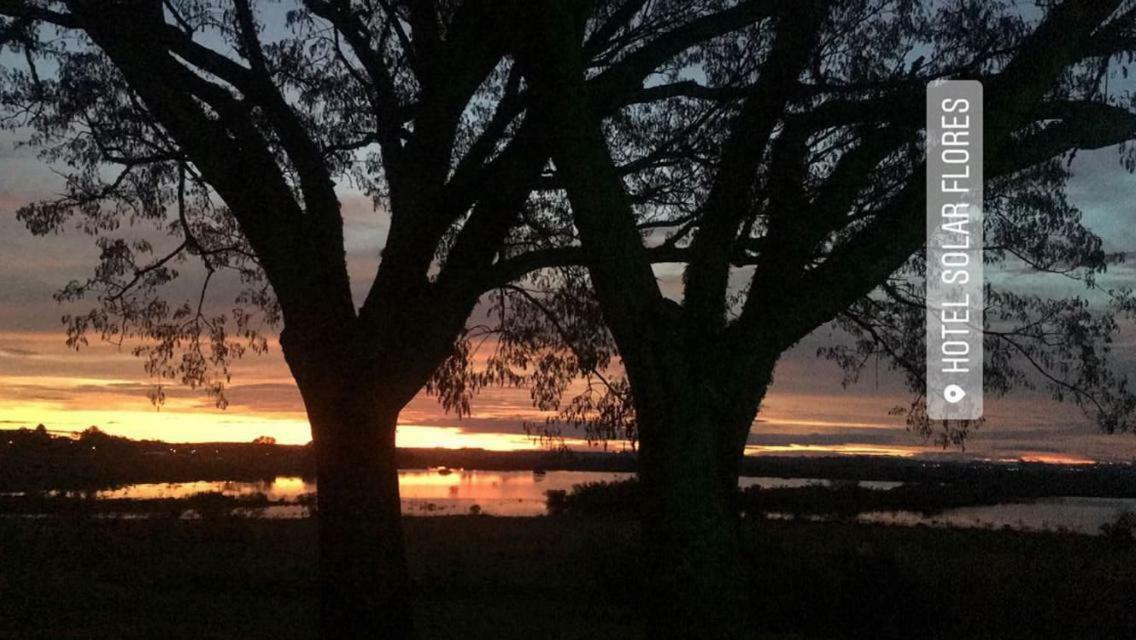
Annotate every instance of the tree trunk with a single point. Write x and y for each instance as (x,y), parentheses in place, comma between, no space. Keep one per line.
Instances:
(363,577)
(695,585)
(693,432)
(364,582)
(736,405)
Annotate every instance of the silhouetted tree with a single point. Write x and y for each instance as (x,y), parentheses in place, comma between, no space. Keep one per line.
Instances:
(225,127)
(793,196)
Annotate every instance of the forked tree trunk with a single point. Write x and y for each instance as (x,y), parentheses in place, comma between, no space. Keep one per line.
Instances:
(363,577)
(695,582)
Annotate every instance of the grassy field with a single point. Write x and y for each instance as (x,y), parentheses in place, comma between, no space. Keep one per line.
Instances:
(483,577)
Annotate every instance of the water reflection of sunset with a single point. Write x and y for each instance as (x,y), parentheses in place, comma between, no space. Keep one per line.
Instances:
(423,491)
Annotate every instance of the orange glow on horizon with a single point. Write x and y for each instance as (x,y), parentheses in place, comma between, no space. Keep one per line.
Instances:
(41,381)
(840,449)
(1055,458)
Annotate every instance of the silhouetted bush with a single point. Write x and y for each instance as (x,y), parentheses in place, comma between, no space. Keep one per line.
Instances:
(1121,531)
(606,499)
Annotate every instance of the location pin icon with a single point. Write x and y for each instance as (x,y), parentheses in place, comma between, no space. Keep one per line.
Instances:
(953,393)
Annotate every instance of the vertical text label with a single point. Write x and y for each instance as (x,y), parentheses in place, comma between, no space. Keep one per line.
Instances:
(954,250)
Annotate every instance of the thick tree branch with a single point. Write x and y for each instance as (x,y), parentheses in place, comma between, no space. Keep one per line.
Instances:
(621,270)
(730,198)
(880,248)
(628,74)
(269,215)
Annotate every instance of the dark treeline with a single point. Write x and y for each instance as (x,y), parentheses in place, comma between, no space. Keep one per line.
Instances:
(82,503)
(36,459)
(842,499)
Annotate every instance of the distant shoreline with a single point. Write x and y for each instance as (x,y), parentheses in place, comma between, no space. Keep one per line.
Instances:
(31,459)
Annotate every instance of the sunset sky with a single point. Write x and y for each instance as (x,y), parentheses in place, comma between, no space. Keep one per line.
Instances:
(806,411)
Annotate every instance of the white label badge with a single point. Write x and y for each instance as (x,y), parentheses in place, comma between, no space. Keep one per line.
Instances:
(954,250)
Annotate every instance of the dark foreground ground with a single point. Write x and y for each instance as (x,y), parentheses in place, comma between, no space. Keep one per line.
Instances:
(483,577)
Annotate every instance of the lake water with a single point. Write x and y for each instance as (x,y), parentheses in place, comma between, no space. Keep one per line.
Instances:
(424,491)
(1080,515)
(431,492)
